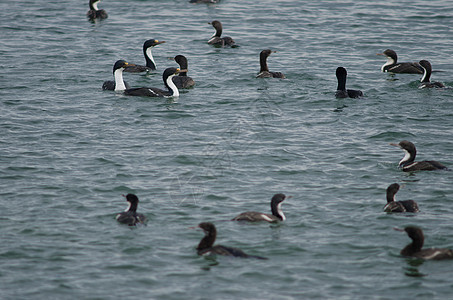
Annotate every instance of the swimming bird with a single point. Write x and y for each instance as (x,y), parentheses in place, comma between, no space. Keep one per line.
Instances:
(276,208)
(218,41)
(398,206)
(264,70)
(130,216)
(408,163)
(94,12)
(414,249)
(172,90)
(342,92)
(119,84)
(206,245)
(393,67)
(426,65)
(147,52)
(182,81)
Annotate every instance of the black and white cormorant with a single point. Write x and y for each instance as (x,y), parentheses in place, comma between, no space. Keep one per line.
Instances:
(94,12)
(425,83)
(182,81)
(408,163)
(206,245)
(393,66)
(172,90)
(130,216)
(398,206)
(119,84)
(147,52)
(276,209)
(342,92)
(218,41)
(414,249)
(264,70)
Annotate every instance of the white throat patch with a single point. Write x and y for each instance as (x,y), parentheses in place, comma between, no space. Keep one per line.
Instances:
(172,86)
(119,82)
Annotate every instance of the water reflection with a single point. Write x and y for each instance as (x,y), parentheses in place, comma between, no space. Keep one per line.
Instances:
(412,268)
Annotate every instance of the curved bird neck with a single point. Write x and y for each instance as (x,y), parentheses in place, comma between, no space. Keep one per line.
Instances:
(277,211)
(132,207)
(408,158)
(390,62)
(94,5)
(171,86)
(183,65)
(426,75)
(149,58)
(207,241)
(412,248)
(119,82)
(263,63)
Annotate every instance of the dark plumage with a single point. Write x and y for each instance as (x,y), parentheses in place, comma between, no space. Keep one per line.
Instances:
(276,216)
(425,83)
(147,52)
(95,13)
(172,90)
(342,92)
(393,67)
(398,206)
(264,70)
(218,41)
(118,84)
(206,245)
(182,81)
(131,217)
(414,249)
(408,163)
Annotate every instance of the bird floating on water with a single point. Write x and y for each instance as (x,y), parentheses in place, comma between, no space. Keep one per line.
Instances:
(218,41)
(172,90)
(95,13)
(398,206)
(276,209)
(392,66)
(130,216)
(206,245)
(182,81)
(118,84)
(147,52)
(408,163)
(425,83)
(342,92)
(414,249)
(264,70)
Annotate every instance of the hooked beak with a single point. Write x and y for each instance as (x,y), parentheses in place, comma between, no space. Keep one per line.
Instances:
(180,71)
(394,145)
(398,229)
(380,54)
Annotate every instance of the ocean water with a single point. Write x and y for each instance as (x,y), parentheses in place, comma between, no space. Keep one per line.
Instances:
(68,150)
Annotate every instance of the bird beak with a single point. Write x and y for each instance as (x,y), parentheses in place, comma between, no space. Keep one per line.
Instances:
(161,42)
(394,145)
(123,195)
(289,197)
(398,229)
(180,71)
(380,54)
(129,65)
(170,58)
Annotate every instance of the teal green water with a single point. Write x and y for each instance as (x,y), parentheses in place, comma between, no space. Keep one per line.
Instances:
(68,150)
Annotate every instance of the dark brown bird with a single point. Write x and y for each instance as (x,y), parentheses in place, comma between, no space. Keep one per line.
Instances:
(130,216)
(206,245)
(398,206)
(95,13)
(276,209)
(425,83)
(414,249)
(408,163)
(392,65)
(264,70)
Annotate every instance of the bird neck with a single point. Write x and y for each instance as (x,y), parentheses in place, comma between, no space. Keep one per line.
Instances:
(94,5)
(390,62)
(277,211)
(171,86)
(341,83)
(426,75)
(207,241)
(119,82)
(149,58)
(413,247)
(408,158)
(132,207)
(263,63)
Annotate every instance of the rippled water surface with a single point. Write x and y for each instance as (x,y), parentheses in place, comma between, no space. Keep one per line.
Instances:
(68,150)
